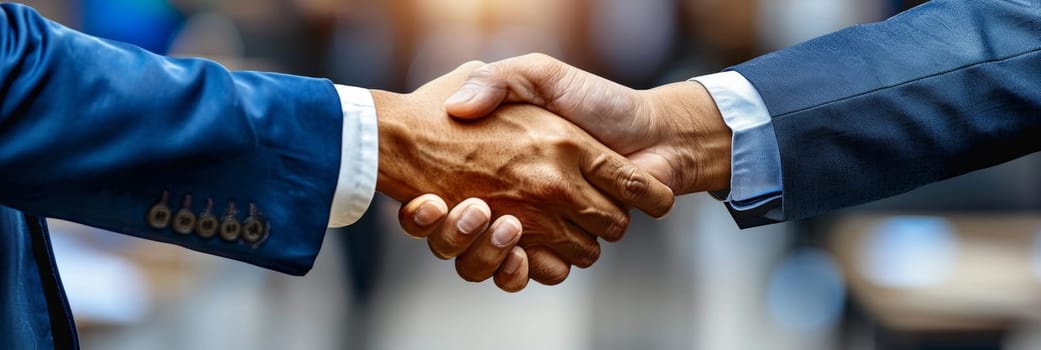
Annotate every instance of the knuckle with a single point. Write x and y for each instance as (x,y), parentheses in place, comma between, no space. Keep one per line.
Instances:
(486,71)
(551,186)
(635,185)
(470,274)
(509,288)
(590,257)
(548,66)
(554,278)
(616,231)
(413,233)
(471,65)
(539,57)
(558,138)
(439,254)
(510,285)
(441,250)
(600,163)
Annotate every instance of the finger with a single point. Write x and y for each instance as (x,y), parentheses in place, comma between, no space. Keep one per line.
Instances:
(512,277)
(620,179)
(534,79)
(487,253)
(454,79)
(594,214)
(658,167)
(545,267)
(463,224)
(593,103)
(420,216)
(579,248)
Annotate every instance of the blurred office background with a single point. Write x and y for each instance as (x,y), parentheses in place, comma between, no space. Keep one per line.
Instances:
(955,265)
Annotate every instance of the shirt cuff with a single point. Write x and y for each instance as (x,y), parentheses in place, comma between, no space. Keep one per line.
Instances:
(359,157)
(756,160)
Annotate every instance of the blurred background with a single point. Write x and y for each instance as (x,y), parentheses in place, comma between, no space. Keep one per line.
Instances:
(955,265)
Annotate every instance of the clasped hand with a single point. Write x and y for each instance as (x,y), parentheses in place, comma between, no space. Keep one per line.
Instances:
(563,182)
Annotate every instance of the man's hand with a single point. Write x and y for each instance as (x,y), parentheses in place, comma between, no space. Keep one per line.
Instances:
(425,217)
(675,131)
(566,188)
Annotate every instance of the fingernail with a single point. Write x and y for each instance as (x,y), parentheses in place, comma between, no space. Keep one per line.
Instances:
(470,221)
(464,95)
(427,214)
(505,234)
(511,265)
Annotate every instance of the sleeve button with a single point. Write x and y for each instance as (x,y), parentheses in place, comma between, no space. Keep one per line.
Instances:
(254,230)
(230,227)
(184,220)
(207,225)
(159,215)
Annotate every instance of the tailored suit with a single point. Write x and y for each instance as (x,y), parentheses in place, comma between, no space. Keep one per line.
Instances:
(875,110)
(242,165)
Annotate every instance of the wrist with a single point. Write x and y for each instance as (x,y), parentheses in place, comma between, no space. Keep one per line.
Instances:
(717,144)
(693,125)
(392,111)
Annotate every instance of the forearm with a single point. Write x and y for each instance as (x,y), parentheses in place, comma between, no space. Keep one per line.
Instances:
(880,109)
(95,131)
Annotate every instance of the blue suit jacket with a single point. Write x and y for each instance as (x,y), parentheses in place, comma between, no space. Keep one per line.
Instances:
(95,132)
(875,110)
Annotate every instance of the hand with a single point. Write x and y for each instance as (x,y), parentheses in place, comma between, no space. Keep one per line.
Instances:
(425,217)
(561,184)
(675,131)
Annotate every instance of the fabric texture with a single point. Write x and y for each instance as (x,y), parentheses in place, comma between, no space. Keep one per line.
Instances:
(98,132)
(359,162)
(880,109)
(755,165)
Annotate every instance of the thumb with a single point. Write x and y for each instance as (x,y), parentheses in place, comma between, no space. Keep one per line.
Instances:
(478,97)
(527,79)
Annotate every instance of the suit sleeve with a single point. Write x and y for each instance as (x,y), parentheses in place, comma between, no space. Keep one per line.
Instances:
(237,164)
(876,110)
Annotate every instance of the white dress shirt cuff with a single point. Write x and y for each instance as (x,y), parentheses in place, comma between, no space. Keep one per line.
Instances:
(756,161)
(359,157)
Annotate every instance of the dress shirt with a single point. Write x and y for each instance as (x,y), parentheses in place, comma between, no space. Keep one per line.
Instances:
(359,157)
(755,178)
(755,165)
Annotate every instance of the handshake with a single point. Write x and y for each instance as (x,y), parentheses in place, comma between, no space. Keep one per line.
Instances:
(555,155)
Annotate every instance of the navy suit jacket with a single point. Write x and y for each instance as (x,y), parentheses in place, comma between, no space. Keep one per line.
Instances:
(95,132)
(879,109)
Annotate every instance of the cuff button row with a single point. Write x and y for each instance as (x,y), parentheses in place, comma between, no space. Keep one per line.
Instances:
(253,230)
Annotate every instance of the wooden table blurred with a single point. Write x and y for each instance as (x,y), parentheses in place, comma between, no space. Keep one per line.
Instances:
(991,282)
